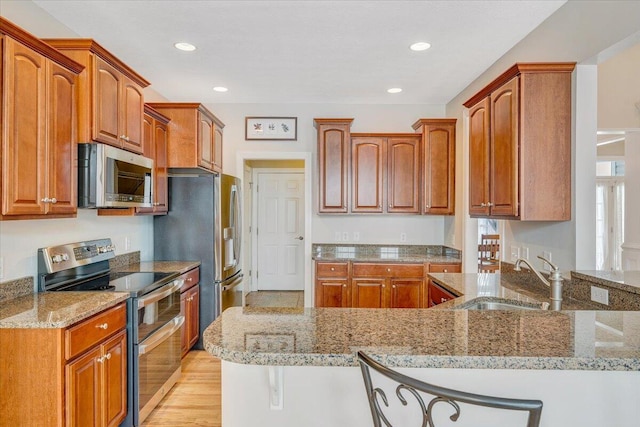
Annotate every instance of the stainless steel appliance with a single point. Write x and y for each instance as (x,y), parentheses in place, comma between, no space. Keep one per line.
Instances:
(153,315)
(204,223)
(109,177)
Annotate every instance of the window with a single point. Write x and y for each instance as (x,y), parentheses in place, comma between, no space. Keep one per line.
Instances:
(609,215)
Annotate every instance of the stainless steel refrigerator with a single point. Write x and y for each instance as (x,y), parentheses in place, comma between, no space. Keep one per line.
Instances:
(204,223)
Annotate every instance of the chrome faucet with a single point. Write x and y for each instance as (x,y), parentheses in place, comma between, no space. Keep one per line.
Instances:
(554,282)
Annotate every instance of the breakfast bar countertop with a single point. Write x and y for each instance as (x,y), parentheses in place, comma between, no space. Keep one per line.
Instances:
(572,339)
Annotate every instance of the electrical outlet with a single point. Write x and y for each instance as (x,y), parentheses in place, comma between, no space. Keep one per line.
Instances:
(127,243)
(337,236)
(515,253)
(345,236)
(600,295)
(1,267)
(547,255)
(525,252)
(403,237)
(356,236)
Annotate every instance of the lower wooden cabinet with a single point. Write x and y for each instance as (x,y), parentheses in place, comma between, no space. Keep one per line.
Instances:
(370,285)
(75,376)
(94,385)
(190,308)
(435,294)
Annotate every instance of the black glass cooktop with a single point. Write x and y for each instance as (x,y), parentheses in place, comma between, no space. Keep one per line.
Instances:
(136,283)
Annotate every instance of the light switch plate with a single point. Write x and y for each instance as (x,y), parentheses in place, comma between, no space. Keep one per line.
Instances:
(127,243)
(599,295)
(345,236)
(525,252)
(403,237)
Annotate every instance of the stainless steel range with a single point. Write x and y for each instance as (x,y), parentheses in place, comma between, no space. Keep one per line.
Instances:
(153,315)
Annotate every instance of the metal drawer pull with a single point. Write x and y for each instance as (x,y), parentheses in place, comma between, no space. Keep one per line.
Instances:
(157,296)
(443,300)
(160,335)
(103,326)
(333,269)
(101,359)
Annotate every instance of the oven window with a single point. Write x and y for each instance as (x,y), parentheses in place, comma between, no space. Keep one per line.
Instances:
(156,314)
(156,366)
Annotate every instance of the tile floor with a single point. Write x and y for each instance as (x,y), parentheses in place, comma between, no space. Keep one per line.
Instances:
(275,299)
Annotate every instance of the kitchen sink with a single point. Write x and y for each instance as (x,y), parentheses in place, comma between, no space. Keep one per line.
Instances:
(500,304)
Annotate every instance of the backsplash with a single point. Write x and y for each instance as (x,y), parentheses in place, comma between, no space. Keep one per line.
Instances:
(16,288)
(319,249)
(125,259)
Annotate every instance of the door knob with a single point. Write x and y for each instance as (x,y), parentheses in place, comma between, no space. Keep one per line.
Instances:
(299,238)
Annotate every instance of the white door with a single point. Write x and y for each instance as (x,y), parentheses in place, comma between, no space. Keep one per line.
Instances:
(280,231)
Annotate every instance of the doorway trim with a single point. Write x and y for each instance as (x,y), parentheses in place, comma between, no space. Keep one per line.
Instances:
(243,156)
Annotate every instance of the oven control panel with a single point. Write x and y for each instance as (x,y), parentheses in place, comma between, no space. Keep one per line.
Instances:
(62,257)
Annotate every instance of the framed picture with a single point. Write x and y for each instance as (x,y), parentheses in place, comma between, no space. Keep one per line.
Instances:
(271,128)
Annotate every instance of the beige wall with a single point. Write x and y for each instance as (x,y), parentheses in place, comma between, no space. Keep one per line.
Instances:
(619,90)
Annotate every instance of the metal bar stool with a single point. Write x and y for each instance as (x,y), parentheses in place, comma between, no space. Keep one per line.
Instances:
(414,386)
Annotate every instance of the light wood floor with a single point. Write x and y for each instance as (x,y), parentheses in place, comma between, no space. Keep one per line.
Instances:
(195,399)
(275,299)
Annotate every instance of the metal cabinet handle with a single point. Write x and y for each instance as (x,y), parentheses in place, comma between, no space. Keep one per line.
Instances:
(443,300)
(489,204)
(108,356)
(445,270)
(333,269)
(383,286)
(394,286)
(483,205)
(390,205)
(299,238)
(389,270)
(189,279)
(428,206)
(49,200)
(104,326)
(344,286)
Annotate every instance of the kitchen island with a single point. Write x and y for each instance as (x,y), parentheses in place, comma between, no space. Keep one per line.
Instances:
(298,366)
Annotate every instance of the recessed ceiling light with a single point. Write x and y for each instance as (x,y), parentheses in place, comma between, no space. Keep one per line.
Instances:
(187,47)
(394,90)
(420,46)
(220,89)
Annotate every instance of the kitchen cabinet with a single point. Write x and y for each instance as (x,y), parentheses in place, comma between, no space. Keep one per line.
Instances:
(195,137)
(81,369)
(156,138)
(333,288)
(377,285)
(520,144)
(190,308)
(435,294)
(438,165)
(385,173)
(39,113)
(334,141)
(111,101)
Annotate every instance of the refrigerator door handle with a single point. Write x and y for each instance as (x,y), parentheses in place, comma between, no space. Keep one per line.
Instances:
(235,218)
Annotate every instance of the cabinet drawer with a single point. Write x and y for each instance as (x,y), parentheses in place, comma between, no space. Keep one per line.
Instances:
(387,270)
(332,269)
(438,295)
(445,268)
(191,278)
(91,331)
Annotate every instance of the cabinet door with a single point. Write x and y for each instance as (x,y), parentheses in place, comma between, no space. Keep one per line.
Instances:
(367,160)
(205,141)
(445,268)
(24,104)
(114,384)
(106,104)
(333,166)
(369,293)
(131,116)
(406,293)
(83,393)
(332,293)
(161,179)
(437,295)
(217,148)
(61,141)
(403,175)
(479,159)
(504,150)
(193,302)
(439,169)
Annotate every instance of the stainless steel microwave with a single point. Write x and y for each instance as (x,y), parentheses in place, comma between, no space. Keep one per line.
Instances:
(109,177)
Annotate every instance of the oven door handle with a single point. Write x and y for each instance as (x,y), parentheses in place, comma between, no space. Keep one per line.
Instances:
(157,296)
(161,335)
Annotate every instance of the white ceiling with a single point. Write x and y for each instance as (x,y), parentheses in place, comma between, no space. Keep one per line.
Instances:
(306,51)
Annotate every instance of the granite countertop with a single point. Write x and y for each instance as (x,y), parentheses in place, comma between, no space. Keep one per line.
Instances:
(628,281)
(160,266)
(55,309)
(575,338)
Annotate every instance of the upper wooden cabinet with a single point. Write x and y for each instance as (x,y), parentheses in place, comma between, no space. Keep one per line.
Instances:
(196,136)
(38,122)
(156,138)
(386,172)
(520,144)
(438,165)
(110,100)
(333,164)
